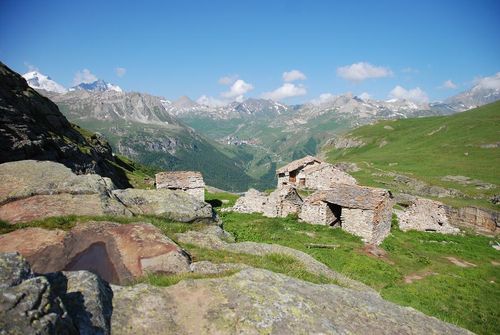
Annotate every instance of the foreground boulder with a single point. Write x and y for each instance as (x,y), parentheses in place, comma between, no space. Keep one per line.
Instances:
(118,253)
(256,301)
(28,305)
(426,215)
(59,303)
(172,204)
(33,190)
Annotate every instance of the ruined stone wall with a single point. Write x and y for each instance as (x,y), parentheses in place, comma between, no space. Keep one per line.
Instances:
(252,202)
(283,202)
(426,215)
(316,213)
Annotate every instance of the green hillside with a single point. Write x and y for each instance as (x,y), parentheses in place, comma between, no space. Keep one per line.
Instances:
(458,152)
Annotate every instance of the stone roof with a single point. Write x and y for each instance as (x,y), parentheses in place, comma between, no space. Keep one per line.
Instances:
(352,196)
(299,163)
(179,179)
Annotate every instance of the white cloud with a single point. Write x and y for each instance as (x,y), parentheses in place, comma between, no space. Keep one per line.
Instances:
(287,90)
(323,98)
(415,94)
(362,71)
(293,76)
(365,96)
(31,67)
(492,82)
(409,70)
(120,71)
(210,101)
(84,76)
(228,80)
(237,90)
(448,84)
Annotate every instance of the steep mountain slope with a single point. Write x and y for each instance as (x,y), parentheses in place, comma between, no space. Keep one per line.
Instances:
(138,125)
(32,127)
(459,155)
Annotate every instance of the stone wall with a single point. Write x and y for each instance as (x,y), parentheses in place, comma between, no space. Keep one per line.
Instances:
(426,215)
(283,202)
(189,181)
(316,213)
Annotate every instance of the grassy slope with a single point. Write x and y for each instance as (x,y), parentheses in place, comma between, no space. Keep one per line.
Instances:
(431,148)
(467,297)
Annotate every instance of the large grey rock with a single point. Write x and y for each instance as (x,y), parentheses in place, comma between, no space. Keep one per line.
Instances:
(87,298)
(256,301)
(119,253)
(29,305)
(13,270)
(173,204)
(33,190)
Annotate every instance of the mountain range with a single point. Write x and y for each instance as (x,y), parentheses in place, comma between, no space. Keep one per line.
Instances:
(239,144)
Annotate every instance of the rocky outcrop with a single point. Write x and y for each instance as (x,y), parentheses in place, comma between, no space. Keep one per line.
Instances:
(28,305)
(175,205)
(256,301)
(481,220)
(32,127)
(58,303)
(426,215)
(34,190)
(118,253)
(87,298)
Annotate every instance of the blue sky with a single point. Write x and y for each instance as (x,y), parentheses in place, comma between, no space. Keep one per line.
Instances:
(174,48)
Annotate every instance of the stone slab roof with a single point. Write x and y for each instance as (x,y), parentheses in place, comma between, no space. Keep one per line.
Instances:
(298,164)
(179,179)
(352,196)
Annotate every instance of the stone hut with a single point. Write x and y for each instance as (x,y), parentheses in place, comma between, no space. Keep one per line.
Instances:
(362,211)
(426,215)
(190,182)
(312,173)
(280,203)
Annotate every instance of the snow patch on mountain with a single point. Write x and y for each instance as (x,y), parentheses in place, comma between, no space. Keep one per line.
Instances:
(40,81)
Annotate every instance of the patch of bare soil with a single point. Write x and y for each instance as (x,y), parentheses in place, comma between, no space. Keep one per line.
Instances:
(417,276)
(461,263)
(377,252)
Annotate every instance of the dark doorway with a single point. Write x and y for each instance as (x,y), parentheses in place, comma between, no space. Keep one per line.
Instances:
(337,213)
(293,176)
